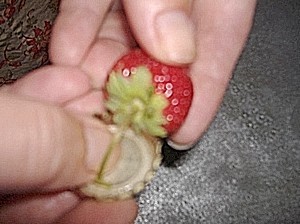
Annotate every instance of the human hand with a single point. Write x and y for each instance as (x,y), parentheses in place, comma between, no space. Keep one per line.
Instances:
(207,35)
(50,145)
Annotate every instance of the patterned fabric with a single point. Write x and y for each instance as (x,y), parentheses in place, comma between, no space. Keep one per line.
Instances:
(25,27)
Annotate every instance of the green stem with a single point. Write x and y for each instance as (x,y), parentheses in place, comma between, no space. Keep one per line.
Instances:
(116,139)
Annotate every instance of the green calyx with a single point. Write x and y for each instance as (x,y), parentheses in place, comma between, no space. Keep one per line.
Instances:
(133,103)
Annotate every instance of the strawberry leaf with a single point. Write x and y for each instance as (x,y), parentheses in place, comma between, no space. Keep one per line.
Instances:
(133,102)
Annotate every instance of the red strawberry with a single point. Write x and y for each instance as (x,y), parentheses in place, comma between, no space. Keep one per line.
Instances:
(147,95)
(149,98)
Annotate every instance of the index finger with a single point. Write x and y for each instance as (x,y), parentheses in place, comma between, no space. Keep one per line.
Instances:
(75,29)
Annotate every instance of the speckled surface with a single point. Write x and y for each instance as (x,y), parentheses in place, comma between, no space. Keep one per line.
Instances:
(246,169)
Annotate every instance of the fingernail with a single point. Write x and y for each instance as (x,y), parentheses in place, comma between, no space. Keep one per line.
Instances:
(179,147)
(176,36)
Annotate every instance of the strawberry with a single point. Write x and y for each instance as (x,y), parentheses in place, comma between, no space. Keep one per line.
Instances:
(150,100)
(145,96)
(148,96)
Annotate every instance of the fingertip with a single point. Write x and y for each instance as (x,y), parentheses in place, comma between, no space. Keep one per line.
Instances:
(75,29)
(64,49)
(207,98)
(166,31)
(175,37)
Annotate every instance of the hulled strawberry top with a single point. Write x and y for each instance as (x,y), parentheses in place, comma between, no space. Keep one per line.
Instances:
(148,96)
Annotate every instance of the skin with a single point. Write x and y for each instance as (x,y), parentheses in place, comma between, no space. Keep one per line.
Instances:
(63,144)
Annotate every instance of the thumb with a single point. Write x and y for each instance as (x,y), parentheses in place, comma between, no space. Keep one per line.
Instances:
(163,28)
(44,148)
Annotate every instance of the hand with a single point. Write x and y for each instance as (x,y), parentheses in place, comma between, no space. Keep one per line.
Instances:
(50,144)
(208,35)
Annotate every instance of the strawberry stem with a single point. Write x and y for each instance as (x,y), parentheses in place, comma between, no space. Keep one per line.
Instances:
(116,139)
